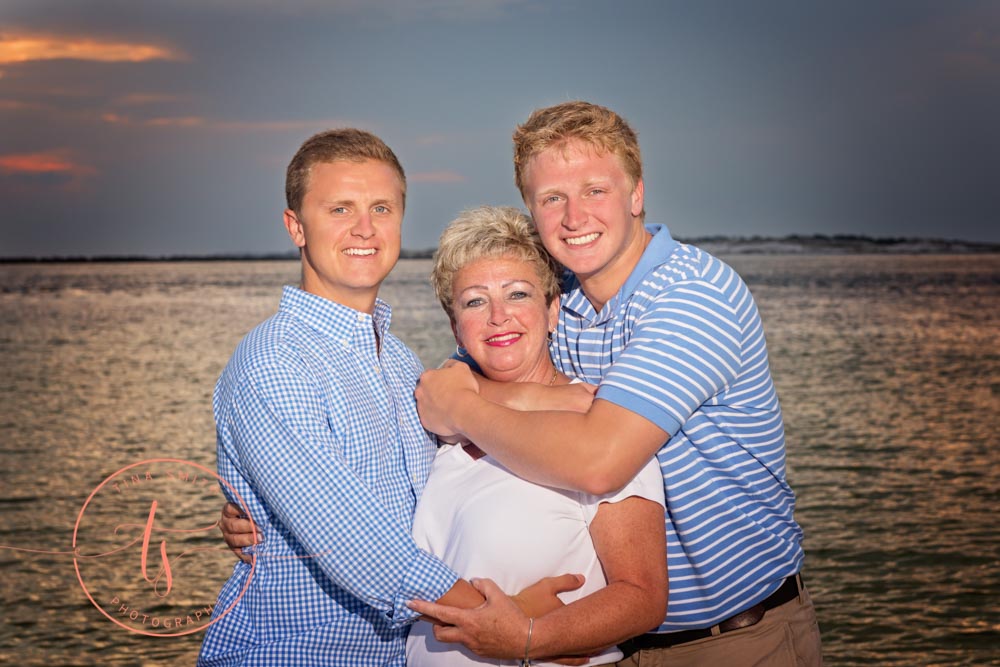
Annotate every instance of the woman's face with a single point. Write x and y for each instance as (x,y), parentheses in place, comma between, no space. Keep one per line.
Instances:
(502,319)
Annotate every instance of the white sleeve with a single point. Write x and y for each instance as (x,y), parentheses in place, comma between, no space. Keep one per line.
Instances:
(647,484)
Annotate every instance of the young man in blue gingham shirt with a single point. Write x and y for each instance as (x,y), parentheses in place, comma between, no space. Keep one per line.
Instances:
(319,436)
(673,337)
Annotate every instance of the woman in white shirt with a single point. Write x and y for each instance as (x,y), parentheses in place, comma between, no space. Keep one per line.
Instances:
(500,289)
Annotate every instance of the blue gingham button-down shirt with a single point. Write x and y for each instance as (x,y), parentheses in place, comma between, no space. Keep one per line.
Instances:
(319,435)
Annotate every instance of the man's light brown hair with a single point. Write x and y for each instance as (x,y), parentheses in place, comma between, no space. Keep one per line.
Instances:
(348,144)
(598,126)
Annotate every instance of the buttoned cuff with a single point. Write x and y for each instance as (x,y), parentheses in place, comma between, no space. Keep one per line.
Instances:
(426,579)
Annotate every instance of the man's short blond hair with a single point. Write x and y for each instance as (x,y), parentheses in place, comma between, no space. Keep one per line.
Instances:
(347,144)
(598,126)
(490,232)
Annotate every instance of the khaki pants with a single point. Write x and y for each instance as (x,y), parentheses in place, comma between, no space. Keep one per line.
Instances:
(787,636)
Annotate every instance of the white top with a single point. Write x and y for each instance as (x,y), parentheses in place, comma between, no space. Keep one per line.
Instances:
(484,521)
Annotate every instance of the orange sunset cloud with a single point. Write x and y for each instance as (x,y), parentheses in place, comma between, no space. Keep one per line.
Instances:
(21,48)
(46,162)
(203,123)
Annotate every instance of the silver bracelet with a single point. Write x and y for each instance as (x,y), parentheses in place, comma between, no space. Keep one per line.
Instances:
(527,645)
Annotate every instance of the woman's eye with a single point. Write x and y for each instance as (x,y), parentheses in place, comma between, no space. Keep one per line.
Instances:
(472,303)
(519,295)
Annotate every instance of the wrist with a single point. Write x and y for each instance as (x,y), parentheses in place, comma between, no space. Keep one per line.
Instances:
(526,660)
(466,402)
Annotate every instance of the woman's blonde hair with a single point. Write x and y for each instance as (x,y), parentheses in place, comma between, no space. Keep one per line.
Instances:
(490,232)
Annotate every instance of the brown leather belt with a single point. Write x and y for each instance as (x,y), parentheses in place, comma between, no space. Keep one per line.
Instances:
(788,591)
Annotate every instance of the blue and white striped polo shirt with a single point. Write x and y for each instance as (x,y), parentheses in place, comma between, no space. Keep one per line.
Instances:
(682,345)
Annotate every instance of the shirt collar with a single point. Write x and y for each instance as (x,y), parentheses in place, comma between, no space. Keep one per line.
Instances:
(333,319)
(660,247)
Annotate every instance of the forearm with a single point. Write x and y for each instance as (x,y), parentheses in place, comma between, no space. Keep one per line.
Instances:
(462,595)
(630,542)
(533,396)
(582,451)
(602,619)
(361,545)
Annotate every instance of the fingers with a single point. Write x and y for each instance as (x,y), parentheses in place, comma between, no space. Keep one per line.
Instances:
(566,582)
(490,590)
(231,510)
(237,529)
(440,612)
(246,558)
(449,634)
(238,533)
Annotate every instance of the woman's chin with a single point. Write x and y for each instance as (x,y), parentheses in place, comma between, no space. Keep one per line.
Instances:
(500,373)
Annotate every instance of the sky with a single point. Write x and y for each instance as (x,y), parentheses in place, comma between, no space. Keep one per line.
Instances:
(164,128)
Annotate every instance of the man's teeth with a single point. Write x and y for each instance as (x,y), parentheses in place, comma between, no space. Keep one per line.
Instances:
(360,252)
(504,337)
(581,240)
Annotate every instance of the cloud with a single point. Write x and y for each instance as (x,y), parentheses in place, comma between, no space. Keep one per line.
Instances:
(202,123)
(978,54)
(280,125)
(142,99)
(29,47)
(18,105)
(176,121)
(44,170)
(395,10)
(436,177)
(43,162)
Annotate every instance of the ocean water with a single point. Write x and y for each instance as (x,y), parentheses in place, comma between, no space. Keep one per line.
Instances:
(888,368)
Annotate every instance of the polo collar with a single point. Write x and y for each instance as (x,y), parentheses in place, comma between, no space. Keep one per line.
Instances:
(659,248)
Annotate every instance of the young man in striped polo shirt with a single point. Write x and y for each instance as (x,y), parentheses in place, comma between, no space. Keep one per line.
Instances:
(673,339)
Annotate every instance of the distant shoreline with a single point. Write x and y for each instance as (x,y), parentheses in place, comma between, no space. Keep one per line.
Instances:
(717,245)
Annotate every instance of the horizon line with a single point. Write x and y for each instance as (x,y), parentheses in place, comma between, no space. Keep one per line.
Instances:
(843,242)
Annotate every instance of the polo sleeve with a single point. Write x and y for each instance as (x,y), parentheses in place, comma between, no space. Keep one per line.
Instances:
(683,350)
(283,442)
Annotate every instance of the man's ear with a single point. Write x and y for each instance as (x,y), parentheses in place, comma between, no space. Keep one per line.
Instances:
(638,199)
(294,227)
